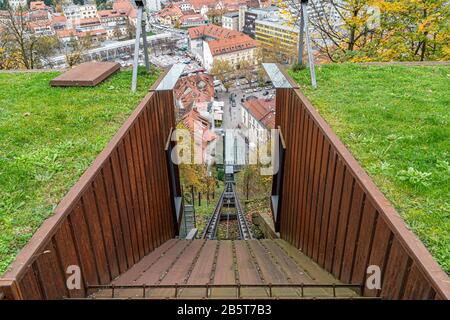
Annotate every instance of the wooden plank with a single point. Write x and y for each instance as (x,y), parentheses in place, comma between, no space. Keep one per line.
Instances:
(129,277)
(347,197)
(395,272)
(119,224)
(269,269)
(156,272)
(96,236)
(179,272)
(315,195)
(50,275)
(364,243)
(302,183)
(310,268)
(224,272)
(292,271)
(201,274)
(297,209)
(137,205)
(67,252)
(310,182)
(290,175)
(334,215)
(380,251)
(140,184)
(81,234)
(331,172)
(30,287)
(151,222)
(153,178)
(417,287)
(248,272)
(129,202)
(321,193)
(105,224)
(352,234)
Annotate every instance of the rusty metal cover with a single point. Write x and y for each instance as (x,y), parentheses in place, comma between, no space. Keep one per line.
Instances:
(87,74)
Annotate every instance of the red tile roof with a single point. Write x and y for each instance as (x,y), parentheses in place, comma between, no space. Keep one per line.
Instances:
(110,13)
(192,17)
(212,31)
(196,88)
(223,46)
(37,5)
(262,110)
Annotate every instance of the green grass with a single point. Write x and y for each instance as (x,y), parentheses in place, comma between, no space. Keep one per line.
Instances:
(48,137)
(395,120)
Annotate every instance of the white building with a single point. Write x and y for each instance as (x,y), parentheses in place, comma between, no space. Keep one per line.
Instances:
(17,3)
(153,5)
(231,21)
(234,50)
(76,12)
(258,116)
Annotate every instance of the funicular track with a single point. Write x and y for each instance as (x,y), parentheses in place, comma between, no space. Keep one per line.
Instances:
(228,196)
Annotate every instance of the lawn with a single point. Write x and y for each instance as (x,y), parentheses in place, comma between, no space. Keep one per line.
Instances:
(48,137)
(395,120)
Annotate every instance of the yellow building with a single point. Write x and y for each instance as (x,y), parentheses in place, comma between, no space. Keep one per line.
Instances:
(276,32)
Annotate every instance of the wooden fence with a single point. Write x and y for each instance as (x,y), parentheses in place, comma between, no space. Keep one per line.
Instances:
(333,212)
(119,211)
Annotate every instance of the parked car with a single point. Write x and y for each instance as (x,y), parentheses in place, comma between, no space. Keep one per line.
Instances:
(266,93)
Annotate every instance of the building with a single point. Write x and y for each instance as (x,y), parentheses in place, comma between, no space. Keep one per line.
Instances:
(209,43)
(258,115)
(153,5)
(114,22)
(200,35)
(276,32)
(230,21)
(18,3)
(170,15)
(38,5)
(76,12)
(249,16)
(41,28)
(192,90)
(200,129)
(192,20)
(59,22)
(234,50)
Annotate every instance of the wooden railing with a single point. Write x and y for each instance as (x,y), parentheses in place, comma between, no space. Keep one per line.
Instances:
(119,211)
(332,211)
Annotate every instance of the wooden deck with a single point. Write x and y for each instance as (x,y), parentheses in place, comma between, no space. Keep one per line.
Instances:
(87,74)
(198,266)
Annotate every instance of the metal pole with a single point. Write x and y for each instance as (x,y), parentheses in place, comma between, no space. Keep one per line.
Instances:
(144,41)
(301,35)
(308,46)
(136,49)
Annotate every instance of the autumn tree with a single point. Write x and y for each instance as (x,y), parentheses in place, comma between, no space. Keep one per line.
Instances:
(20,41)
(75,49)
(415,29)
(246,69)
(224,71)
(117,33)
(365,30)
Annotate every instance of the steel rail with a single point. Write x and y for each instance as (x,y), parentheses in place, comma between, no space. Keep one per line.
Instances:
(211,227)
(244,229)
